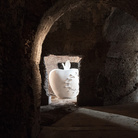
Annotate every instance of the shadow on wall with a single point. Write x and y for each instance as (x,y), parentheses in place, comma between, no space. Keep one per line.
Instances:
(121,68)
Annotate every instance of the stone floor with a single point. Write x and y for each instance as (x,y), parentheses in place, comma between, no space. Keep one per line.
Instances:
(57,101)
(70,121)
(57,110)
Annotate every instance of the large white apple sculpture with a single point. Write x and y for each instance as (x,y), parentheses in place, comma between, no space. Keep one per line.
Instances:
(65,83)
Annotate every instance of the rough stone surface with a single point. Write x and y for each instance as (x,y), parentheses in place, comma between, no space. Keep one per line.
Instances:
(44,77)
(127,6)
(121,66)
(20,79)
(111,121)
(13,117)
(55,111)
(76,31)
(131,98)
(69,39)
(92,64)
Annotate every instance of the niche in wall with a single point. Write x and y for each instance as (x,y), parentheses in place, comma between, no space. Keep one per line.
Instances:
(55,62)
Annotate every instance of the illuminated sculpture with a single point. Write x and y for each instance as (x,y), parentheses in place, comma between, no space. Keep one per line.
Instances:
(65,83)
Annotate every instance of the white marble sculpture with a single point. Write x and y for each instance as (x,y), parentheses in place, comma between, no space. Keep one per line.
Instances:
(65,83)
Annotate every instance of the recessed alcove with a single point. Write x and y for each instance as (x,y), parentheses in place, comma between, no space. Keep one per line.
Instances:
(54,62)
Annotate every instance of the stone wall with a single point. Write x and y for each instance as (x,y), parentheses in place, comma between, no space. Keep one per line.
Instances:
(13,117)
(66,38)
(92,65)
(51,61)
(18,23)
(19,98)
(77,31)
(121,68)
